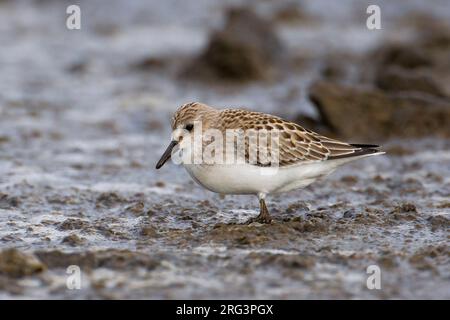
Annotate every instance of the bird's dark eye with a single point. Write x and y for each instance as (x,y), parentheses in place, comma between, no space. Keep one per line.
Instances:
(189,127)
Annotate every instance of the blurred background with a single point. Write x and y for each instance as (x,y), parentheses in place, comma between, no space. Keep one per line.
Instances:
(84,117)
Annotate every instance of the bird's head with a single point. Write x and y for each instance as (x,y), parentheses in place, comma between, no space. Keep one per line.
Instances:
(187,118)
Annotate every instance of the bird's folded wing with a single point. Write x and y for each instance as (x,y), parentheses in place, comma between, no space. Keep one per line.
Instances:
(295,144)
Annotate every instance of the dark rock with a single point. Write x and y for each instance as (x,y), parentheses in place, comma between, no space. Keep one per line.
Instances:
(405,207)
(78,67)
(405,211)
(439,222)
(8,202)
(148,231)
(111,258)
(4,139)
(388,261)
(297,207)
(333,71)
(289,261)
(372,114)
(73,240)
(444,205)
(61,199)
(160,184)
(8,284)
(73,224)
(15,263)
(421,64)
(105,230)
(137,209)
(109,199)
(246,49)
(311,225)
(58,259)
(342,67)
(349,214)
(396,79)
(349,180)
(403,55)
(149,63)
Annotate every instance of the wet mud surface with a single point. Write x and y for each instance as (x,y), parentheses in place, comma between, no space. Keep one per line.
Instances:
(82,128)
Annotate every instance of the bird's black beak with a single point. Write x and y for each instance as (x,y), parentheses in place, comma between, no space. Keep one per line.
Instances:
(166,155)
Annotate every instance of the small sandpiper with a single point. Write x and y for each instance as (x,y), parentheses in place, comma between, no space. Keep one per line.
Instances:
(296,158)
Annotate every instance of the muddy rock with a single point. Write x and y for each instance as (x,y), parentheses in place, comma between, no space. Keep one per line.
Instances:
(137,209)
(312,225)
(73,224)
(8,202)
(388,261)
(4,139)
(405,207)
(297,207)
(110,258)
(111,233)
(73,240)
(349,180)
(148,64)
(78,67)
(60,199)
(109,199)
(14,263)
(160,184)
(59,259)
(291,261)
(439,222)
(123,259)
(420,64)
(343,67)
(404,56)
(429,258)
(333,70)
(405,211)
(372,114)
(285,261)
(247,48)
(396,79)
(148,231)
(257,234)
(444,205)
(10,285)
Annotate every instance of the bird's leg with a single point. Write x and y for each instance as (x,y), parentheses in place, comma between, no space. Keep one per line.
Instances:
(264,216)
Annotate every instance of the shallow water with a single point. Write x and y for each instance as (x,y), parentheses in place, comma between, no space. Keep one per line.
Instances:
(77,156)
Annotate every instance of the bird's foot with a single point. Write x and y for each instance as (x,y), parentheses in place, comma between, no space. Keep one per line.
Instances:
(261,218)
(264,216)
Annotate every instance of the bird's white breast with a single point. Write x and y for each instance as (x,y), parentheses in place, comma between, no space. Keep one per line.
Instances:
(250,179)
